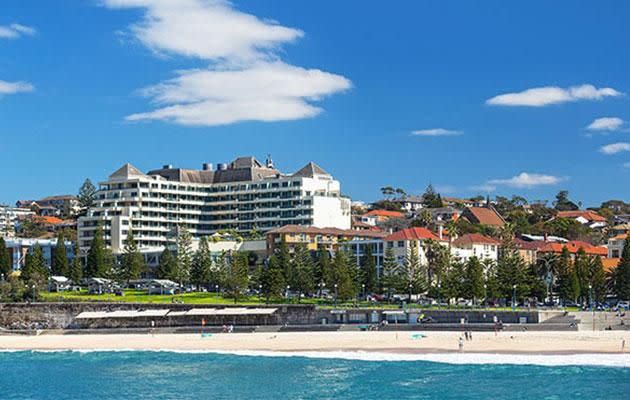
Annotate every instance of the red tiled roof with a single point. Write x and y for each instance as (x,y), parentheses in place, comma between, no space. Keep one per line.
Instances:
(385,213)
(574,247)
(485,216)
(586,214)
(412,234)
(474,238)
(299,229)
(49,220)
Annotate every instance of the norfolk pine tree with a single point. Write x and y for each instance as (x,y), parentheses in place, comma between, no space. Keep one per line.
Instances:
(60,257)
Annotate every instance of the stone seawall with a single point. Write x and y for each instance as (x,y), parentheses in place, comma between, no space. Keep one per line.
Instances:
(63,316)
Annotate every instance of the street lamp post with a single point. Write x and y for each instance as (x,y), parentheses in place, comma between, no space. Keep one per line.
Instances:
(513,297)
(363,291)
(336,295)
(260,293)
(439,286)
(410,287)
(590,304)
(288,288)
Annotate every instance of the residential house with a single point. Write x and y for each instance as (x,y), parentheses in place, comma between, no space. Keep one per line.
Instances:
(316,238)
(585,217)
(401,242)
(65,205)
(443,215)
(573,246)
(620,229)
(410,203)
(375,217)
(528,249)
(616,244)
(483,216)
(456,202)
(475,245)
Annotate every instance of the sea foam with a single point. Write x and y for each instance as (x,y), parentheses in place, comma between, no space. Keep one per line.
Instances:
(583,359)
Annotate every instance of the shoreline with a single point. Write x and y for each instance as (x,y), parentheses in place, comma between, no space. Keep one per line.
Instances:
(390,342)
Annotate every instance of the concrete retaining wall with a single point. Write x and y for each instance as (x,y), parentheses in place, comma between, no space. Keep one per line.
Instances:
(62,316)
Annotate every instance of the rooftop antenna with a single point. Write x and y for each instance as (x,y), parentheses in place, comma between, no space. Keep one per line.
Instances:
(269,161)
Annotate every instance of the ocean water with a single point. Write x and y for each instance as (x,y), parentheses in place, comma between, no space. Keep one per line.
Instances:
(175,375)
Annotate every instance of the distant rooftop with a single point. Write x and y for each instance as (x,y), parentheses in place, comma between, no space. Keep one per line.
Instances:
(239,170)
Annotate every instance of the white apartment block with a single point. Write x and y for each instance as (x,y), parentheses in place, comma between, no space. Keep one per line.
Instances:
(475,245)
(9,217)
(244,195)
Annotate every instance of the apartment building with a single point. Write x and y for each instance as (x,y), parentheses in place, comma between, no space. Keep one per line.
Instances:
(314,238)
(475,245)
(9,218)
(243,196)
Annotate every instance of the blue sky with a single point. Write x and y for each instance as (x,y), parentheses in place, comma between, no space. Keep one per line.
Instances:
(86,86)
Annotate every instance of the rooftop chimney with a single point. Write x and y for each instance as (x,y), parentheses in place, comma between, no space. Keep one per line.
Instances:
(207,167)
(167,166)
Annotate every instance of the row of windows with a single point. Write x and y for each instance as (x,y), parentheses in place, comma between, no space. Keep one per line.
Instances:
(214,188)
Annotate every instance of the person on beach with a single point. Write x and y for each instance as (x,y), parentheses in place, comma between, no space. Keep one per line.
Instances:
(461,343)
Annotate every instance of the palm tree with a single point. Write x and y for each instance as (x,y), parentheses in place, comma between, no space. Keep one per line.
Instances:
(453,231)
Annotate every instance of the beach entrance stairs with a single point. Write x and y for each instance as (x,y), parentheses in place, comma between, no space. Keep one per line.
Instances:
(599,321)
(560,322)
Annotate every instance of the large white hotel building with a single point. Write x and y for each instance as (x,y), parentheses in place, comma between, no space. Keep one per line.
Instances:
(243,195)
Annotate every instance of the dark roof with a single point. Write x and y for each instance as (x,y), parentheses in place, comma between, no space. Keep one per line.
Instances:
(409,199)
(310,170)
(239,170)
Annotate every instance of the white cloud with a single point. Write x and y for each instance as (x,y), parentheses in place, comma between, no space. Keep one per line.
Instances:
(543,96)
(15,31)
(246,79)
(615,148)
(605,124)
(526,180)
(267,91)
(15,87)
(436,132)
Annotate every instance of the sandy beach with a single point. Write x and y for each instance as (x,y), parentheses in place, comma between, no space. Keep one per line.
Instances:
(391,342)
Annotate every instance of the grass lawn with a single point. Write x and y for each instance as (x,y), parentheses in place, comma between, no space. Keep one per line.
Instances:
(139,296)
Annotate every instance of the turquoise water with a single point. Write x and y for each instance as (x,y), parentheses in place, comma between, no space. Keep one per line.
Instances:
(168,375)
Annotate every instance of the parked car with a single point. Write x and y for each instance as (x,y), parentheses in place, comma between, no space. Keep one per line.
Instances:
(464,303)
(622,305)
